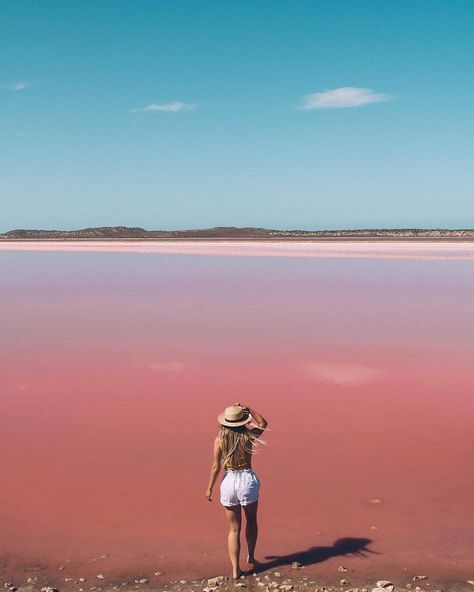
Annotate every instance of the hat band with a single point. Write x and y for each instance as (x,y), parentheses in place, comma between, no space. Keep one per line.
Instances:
(236,420)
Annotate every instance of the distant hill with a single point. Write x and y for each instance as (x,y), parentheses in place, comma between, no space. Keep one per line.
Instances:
(230,232)
(101,232)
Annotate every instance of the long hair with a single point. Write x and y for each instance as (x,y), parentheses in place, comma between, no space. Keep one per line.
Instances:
(237,444)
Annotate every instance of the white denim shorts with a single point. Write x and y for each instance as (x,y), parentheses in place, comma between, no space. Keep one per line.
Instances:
(239,488)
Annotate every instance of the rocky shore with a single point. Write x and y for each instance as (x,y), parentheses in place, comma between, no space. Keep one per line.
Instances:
(289,579)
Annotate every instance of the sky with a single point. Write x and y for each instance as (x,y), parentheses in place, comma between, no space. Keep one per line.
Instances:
(281,114)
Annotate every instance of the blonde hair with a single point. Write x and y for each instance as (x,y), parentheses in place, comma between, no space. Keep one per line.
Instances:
(237,444)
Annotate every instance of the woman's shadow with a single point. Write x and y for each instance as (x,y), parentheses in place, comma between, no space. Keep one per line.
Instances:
(344,546)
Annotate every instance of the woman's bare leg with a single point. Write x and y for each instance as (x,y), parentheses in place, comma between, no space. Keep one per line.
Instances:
(234,516)
(251,530)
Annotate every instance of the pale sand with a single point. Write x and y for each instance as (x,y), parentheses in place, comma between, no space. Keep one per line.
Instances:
(459,251)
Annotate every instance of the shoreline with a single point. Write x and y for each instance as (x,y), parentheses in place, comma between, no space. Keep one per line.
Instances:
(347,571)
(292,578)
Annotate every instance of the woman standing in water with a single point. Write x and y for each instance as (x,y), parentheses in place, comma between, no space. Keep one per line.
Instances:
(240,487)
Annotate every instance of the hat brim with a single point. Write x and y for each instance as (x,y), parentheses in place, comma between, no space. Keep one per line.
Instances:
(233,424)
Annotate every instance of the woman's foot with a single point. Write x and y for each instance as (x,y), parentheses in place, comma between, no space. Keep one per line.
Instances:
(252,562)
(236,574)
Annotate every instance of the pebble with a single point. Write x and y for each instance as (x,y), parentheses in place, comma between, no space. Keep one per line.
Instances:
(212,581)
(286,587)
(49,589)
(296,565)
(100,576)
(341,568)
(343,582)
(158,573)
(415,578)
(241,585)
(376,500)
(386,585)
(277,574)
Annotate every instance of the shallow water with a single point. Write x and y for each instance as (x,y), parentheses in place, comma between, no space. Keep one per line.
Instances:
(114,365)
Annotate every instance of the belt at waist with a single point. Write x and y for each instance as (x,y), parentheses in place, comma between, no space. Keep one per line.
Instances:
(238,468)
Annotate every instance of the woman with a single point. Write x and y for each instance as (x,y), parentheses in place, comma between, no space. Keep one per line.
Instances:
(240,487)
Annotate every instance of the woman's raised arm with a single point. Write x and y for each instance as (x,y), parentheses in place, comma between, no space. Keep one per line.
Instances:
(258,417)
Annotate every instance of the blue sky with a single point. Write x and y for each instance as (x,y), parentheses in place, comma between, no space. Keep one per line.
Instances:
(283,114)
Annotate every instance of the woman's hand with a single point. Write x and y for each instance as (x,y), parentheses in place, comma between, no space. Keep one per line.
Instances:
(244,407)
(208,495)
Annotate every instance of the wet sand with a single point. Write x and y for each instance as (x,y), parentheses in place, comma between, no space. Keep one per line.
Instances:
(291,579)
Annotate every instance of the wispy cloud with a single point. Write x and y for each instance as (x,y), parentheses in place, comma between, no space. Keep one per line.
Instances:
(16,86)
(168,107)
(166,366)
(342,98)
(343,374)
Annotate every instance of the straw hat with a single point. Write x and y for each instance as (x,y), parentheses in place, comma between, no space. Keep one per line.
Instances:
(234,416)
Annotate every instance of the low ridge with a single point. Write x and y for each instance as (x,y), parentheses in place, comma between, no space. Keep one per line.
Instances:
(231,232)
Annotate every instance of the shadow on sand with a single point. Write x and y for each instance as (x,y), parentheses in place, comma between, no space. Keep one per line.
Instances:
(341,547)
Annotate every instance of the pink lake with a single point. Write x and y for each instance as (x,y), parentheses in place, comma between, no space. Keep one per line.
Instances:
(115,361)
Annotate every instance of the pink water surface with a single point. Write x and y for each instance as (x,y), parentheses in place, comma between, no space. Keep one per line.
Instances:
(114,365)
